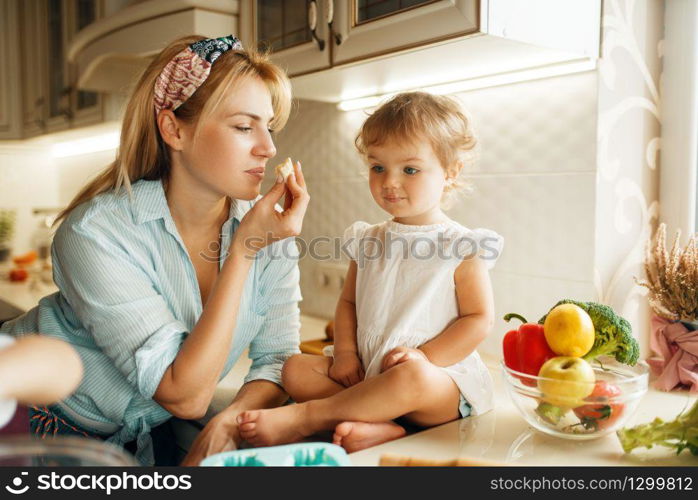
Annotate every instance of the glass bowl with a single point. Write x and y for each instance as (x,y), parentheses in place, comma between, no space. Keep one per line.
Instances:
(59,451)
(618,390)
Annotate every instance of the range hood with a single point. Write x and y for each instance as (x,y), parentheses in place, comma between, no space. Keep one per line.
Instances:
(109,54)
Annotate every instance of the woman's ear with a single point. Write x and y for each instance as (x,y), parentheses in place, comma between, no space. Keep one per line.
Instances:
(170,129)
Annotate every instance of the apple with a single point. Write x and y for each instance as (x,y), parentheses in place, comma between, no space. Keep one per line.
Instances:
(565,381)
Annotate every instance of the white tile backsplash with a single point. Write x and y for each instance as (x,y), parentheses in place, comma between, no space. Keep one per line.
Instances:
(27,181)
(535,127)
(76,171)
(547,221)
(31,178)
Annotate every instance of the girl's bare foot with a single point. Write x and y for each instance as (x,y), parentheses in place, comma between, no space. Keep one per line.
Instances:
(276,426)
(355,436)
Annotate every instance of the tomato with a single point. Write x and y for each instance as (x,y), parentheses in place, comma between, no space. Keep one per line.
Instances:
(602,414)
(18,275)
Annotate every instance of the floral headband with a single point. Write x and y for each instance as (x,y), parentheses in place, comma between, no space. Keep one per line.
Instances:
(188,70)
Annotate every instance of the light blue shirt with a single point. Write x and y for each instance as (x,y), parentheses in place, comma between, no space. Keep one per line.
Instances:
(128,296)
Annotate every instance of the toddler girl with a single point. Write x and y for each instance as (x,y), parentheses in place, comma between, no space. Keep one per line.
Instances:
(416,302)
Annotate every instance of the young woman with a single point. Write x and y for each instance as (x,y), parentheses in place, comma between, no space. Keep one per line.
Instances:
(169,264)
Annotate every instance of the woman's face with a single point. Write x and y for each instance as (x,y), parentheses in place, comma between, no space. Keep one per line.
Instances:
(406,180)
(231,151)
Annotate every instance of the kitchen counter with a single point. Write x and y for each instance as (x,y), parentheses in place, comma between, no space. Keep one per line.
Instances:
(23,295)
(503,437)
(500,436)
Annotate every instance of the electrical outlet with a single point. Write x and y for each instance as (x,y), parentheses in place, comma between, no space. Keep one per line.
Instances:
(331,276)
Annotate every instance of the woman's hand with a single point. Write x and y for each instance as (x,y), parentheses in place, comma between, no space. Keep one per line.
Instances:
(399,355)
(346,369)
(220,434)
(263,224)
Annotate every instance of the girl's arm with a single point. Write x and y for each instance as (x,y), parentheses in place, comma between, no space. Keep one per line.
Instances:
(476,311)
(345,316)
(346,367)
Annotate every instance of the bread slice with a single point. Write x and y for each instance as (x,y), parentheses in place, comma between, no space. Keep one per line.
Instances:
(285,169)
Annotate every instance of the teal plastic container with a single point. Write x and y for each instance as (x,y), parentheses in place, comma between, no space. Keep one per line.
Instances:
(290,455)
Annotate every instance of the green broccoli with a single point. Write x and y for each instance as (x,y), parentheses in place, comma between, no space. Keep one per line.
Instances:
(614,335)
(550,413)
(680,433)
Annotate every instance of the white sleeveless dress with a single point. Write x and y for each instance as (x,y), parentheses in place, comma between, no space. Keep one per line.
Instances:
(405,293)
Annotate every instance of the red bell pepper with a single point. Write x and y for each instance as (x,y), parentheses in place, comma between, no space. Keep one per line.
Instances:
(525,349)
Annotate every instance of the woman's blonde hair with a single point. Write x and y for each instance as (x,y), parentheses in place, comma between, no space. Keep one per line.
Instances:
(142,153)
(411,116)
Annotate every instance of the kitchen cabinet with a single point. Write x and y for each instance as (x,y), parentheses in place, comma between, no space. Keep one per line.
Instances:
(66,106)
(363,48)
(570,25)
(295,31)
(39,94)
(86,106)
(311,35)
(10,106)
(369,28)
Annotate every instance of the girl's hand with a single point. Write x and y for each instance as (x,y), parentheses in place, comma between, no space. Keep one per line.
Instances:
(263,224)
(346,369)
(399,355)
(220,434)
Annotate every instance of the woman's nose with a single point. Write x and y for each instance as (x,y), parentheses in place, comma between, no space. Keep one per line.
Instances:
(265,145)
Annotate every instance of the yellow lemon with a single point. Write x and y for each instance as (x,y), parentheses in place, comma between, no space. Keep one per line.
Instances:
(569,330)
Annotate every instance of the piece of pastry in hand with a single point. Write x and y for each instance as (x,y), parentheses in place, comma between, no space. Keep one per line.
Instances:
(284,169)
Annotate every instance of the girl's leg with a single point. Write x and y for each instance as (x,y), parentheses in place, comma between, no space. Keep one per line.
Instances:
(306,377)
(416,388)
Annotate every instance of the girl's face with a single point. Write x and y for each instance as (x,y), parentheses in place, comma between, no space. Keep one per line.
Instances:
(231,151)
(407,181)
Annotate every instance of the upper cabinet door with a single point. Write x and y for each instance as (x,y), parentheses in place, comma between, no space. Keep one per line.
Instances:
(66,106)
(370,28)
(86,105)
(57,86)
(296,32)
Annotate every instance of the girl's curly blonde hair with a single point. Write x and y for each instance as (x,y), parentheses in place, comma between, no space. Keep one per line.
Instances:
(412,116)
